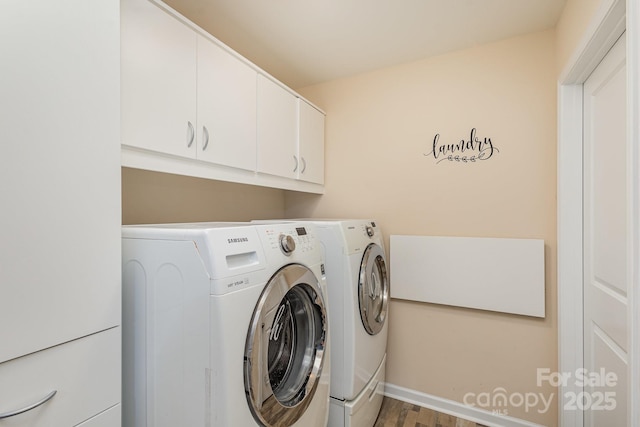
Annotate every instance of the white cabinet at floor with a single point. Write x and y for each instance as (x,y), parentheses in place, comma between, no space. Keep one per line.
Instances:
(60,189)
(181,93)
(109,418)
(290,134)
(60,173)
(84,374)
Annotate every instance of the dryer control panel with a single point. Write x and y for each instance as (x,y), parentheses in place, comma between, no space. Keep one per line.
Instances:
(359,234)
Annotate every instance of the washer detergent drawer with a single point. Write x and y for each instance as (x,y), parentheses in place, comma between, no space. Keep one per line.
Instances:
(85,374)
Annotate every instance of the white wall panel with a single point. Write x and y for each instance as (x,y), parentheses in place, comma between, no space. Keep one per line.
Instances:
(505,275)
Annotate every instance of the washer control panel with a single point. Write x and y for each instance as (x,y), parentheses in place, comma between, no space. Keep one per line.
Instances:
(288,238)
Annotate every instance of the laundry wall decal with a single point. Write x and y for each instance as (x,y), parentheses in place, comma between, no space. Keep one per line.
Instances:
(466,150)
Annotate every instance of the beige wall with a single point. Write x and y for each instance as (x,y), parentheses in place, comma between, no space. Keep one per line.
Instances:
(379,127)
(575,19)
(152,197)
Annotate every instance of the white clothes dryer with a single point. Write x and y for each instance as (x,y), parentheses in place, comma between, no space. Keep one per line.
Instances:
(358,289)
(224,325)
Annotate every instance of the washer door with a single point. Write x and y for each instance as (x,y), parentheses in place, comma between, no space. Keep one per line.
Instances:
(285,347)
(373,289)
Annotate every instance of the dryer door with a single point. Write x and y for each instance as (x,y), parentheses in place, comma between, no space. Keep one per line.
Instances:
(373,289)
(285,347)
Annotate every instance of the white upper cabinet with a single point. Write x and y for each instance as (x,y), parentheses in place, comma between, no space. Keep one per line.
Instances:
(290,134)
(192,106)
(277,130)
(310,143)
(158,80)
(226,122)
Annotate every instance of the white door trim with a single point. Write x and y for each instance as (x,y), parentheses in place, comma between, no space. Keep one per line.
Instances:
(611,19)
(633,129)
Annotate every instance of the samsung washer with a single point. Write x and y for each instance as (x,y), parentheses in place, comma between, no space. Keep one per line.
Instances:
(224,325)
(358,290)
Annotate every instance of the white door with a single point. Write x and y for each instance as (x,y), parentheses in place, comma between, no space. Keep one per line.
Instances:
(226,108)
(59,174)
(158,80)
(606,241)
(310,143)
(277,130)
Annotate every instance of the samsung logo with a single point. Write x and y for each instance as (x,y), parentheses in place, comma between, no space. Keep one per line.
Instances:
(238,240)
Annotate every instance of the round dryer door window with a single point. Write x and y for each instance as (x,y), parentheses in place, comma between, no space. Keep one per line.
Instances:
(373,289)
(285,347)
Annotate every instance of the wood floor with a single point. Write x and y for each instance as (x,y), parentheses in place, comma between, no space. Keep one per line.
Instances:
(395,413)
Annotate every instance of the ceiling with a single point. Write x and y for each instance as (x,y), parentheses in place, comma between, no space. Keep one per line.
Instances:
(303,42)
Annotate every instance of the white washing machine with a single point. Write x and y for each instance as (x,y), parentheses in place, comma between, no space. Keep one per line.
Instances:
(358,287)
(224,325)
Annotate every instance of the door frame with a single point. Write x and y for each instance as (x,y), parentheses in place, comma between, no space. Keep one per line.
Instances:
(611,19)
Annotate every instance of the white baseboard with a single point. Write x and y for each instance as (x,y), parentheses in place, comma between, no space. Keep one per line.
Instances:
(454,408)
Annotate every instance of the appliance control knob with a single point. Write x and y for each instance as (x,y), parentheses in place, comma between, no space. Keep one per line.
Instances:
(370,231)
(287,244)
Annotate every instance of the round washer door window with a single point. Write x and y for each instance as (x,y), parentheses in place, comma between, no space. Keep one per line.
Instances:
(285,346)
(373,289)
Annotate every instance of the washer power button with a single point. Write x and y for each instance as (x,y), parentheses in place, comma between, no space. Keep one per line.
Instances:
(287,244)
(370,231)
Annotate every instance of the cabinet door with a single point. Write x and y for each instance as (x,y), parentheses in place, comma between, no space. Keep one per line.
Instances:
(59,172)
(158,80)
(310,143)
(109,418)
(277,130)
(226,108)
(84,374)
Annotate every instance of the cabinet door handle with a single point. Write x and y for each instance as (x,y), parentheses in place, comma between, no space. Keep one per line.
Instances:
(295,159)
(205,138)
(30,407)
(190,134)
(304,165)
